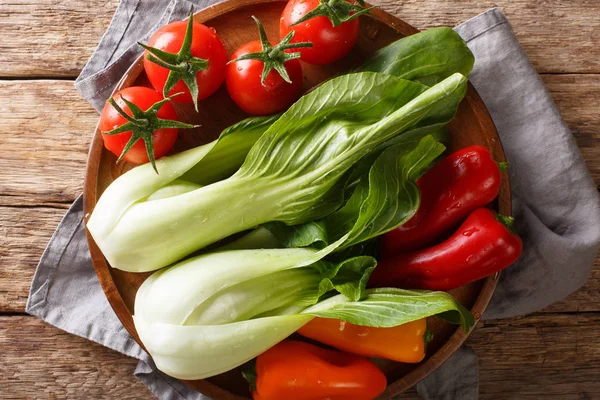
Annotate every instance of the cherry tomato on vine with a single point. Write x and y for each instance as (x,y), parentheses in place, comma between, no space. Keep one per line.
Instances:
(139,125)
(262,78)
(331,25)
(185,57)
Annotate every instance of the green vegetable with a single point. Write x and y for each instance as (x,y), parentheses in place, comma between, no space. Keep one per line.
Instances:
(213,312)
(289,175)
(179,174)
(388,307)
(385,198)
(427,57)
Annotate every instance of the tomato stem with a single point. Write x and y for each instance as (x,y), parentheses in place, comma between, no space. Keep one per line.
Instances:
(274,57)
(182,66)
(142,125)
(337,11)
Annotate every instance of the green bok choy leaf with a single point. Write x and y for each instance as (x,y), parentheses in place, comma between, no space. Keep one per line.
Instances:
(384,198)
(427,57)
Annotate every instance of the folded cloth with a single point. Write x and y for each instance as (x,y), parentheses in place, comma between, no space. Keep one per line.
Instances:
(555,202)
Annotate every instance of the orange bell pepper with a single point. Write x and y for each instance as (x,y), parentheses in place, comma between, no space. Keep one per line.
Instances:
(293,370)
(403,343)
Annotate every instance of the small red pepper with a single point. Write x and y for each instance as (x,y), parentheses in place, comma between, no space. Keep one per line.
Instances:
(450,191)
(484,244)
(302,371)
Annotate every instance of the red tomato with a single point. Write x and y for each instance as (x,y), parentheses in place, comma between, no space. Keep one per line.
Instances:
(205,44)
(144,98)
(243,80)
(329,43)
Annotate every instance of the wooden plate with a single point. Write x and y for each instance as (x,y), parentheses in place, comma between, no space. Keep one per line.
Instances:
(232,21)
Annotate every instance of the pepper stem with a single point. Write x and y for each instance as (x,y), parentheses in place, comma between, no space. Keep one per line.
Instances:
(503,166)
(142,125)
(337,11)
(250,375)
(427,337)
(273,57)
(507,221)
(182,66)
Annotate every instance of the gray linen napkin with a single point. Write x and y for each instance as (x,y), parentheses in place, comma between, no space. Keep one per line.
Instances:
(555,202)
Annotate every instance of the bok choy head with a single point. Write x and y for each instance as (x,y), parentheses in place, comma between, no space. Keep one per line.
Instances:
(214,312)
(293,173)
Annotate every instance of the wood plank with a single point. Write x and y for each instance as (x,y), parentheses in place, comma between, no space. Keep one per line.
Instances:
(50,38)
(45,131)
(577,98)
(553,356)
(540,356)
(40,361)
(25,231)
(56,37)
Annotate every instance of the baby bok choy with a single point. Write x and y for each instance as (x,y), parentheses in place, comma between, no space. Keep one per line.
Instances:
(292,173)
(214,312)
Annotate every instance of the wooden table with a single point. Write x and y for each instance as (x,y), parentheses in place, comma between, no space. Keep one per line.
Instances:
(45,131)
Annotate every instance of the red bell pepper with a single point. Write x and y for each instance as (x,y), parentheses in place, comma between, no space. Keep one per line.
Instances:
(450,191)
(484,244)
(302,371)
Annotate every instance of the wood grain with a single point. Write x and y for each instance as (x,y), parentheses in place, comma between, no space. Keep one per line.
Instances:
(539,357)
(558,36)
(40,361)
(49,38)
(45,134)
(578,99)
(24,233)
(26,230)
(553,356)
